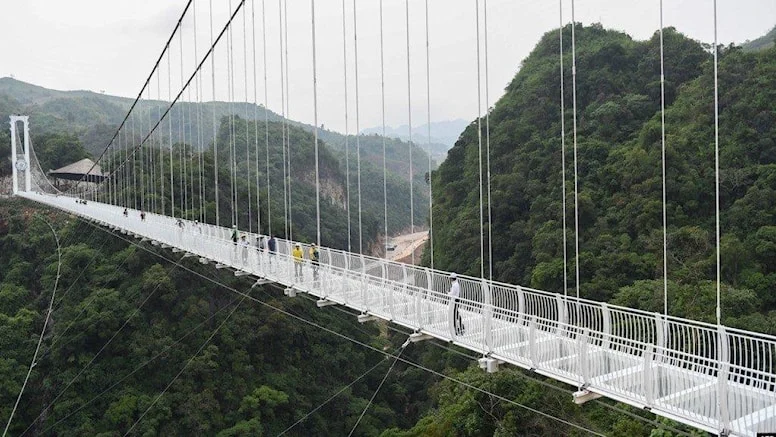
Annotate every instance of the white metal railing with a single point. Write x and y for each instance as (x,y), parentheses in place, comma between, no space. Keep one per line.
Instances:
(671,365)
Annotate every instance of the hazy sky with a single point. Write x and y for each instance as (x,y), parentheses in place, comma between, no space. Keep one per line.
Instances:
(112,45)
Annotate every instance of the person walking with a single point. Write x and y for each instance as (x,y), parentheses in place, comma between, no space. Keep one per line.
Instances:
(244,244)
(271,248)
(455,301)
(314,256)
(235,234)
(298,259)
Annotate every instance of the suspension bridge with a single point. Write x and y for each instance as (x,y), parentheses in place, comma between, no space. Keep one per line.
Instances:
(709,376)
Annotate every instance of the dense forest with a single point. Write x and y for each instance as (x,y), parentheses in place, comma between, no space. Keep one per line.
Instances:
(69,125)
(619,164)
(129,317)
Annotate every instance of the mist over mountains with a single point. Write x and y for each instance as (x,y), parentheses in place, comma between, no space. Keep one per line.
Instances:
(444,134)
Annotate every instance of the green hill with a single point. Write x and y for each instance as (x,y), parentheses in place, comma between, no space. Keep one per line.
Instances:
(72,124)
(620,177)
(763,42)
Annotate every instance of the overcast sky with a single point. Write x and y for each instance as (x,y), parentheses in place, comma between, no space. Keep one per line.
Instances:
(111,45)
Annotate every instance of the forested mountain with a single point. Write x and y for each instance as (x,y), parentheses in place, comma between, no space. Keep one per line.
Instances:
(619,161)
(260,372)
(70,125)
(264,369)
(766,41)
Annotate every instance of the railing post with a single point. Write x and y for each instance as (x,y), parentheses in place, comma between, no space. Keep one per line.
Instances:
(520,305)
(723,361)
(660,341)
(450,321)
(532,355)
(487,312)
(649,395)
(364,294)
(426,295)
(562,315)
(582,353)
(606,317)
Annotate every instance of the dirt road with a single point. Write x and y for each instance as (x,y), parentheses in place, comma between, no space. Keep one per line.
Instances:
(405,245)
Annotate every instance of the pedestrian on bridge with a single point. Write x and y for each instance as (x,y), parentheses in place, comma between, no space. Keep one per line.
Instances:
(298,260)
(271,247)
(455,301)
(235,234)
(314,256)
(245,245)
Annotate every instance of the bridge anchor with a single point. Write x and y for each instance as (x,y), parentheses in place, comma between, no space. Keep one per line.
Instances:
(324,303)
(419,336)
(365,317)
(261,281)
(489,364)
(584,395)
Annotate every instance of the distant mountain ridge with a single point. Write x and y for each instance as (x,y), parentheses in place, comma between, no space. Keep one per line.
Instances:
(761,43)
(444,134)
(93,118)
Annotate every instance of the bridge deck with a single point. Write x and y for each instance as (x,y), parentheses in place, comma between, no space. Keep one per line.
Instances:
(672,366)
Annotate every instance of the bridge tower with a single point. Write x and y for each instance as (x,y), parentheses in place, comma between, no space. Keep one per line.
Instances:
(21,161)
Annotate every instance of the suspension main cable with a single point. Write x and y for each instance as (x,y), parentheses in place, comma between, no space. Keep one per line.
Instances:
(369,404)
(287,125)
(347,151)
(409,121)
(266,114)
(177,375)
(134,167)
(716,164)
(45,324)
(663,160)
(139,94)
(200,148)
(169,122)
(487,141)
(576,178)
(322,404)
(315,130)
(358,129)
(215,124)
(144,364)
(355,341)
(105,345)
(182,140)
(563,153)
(382,97)
(191,78)
(247,134)
(479,141)
(255,117)
(428,120)
(232,139)
(283,111)
(722,393)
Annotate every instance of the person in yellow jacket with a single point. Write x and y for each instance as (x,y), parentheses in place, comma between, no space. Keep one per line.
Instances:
(298,259)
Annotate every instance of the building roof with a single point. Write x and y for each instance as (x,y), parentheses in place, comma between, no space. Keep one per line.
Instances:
(77,170)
